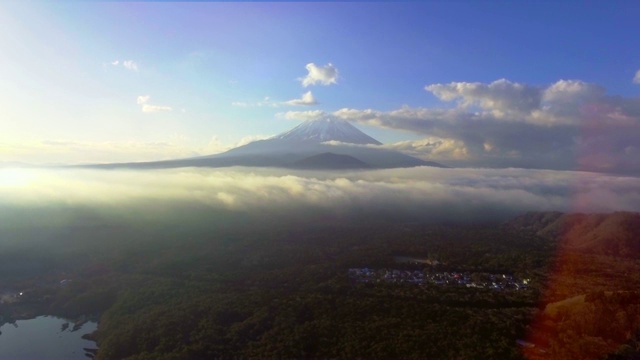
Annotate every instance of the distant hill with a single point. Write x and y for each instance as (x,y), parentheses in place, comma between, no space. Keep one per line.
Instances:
(330,161)
(615,234)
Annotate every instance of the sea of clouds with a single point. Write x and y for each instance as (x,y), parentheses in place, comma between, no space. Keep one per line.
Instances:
(422,193)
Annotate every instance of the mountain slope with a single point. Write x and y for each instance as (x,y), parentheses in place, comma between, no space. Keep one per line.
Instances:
(330,161)
(615,234)
(306,140)
(323,130)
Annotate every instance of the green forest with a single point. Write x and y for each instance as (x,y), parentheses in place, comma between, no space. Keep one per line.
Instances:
(282,290)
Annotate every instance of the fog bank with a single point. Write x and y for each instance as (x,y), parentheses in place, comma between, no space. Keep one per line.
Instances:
(423,193)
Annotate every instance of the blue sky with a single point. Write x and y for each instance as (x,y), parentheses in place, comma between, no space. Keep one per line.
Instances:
(118,81)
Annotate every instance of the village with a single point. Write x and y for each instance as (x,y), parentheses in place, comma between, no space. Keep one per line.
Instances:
(417,277)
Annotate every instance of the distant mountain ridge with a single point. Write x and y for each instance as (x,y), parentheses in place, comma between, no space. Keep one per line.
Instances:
(616,234)
(355,150)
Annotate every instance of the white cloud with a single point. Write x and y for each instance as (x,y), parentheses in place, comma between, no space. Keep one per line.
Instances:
(561,103)
(302,115)
(572,91)
(215,146)
(569,124)
(130,65)
(127,64)
(432,193)
(251,138)
(324,75)
(636,79)
(143,100)
(430,148)
(306,100)
(504,98)
(156,108)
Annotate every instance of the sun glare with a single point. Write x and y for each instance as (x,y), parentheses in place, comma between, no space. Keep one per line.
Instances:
(15,177)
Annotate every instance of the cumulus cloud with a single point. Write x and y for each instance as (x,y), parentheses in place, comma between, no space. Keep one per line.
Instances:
(569,124)
(251,138)
(306,100)
(558,104)
(127,64)
(572,91)
(501,95)
(432,148)
(302,115)
(130,65)
(323,75)
(427,193)
(143,100)
(429,148)
(636,78)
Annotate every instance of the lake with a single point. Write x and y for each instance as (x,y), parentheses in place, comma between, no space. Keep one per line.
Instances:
(41,338)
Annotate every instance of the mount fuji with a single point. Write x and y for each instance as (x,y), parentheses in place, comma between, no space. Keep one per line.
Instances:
(304,147)
(323,130)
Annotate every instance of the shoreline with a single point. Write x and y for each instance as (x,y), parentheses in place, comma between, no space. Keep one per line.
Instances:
(51,337)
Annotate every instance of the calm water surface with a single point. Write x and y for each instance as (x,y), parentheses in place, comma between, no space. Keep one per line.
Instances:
(41,338)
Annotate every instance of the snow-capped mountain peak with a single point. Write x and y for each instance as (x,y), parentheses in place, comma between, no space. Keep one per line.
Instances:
(327,129)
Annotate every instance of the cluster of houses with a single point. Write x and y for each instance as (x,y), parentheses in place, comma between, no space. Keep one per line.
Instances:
(417,277)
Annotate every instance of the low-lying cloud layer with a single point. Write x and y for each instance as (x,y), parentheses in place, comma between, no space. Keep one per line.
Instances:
(417,193)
